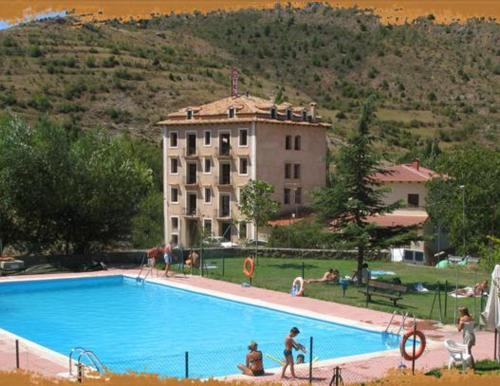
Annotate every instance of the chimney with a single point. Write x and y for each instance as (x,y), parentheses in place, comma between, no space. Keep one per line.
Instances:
(312,111)
(415,164)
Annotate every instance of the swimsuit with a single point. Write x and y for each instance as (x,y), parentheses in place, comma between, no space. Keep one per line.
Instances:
(287,353)
(258,372)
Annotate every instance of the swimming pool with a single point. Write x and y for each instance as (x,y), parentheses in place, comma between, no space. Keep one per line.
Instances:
(150,327)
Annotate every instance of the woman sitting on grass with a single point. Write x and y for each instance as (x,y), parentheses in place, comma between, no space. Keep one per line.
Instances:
(332,275)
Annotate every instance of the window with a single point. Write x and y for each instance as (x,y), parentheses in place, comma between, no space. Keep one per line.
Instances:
(286,196)
(413,200)
(298,196)
(174,195)
(173,139)
(175,239)
(207,138)
(190,114)
(225,174)
(225,205)
(297,142)
(288,142)
(191,173)
(207,165)
(243,166)
(288,171)
(208,195)
(207,226)
(232,112)
(289,115)
(243,137)
(243,230)
(296,171)
(175,224)
(274,113)
(174,165)
(191,144)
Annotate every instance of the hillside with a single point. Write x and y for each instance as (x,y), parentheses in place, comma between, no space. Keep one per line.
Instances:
(433,81)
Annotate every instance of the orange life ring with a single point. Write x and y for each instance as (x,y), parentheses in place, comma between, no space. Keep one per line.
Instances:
(420,349)
(298,286)
(249,267)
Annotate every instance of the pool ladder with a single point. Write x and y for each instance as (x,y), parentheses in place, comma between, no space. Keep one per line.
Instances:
(399,328)
(95,362)
(144,267)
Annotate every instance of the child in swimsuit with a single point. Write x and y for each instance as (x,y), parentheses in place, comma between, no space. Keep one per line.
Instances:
(289,345)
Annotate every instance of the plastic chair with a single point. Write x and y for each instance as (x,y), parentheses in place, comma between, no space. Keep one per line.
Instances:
(458,354)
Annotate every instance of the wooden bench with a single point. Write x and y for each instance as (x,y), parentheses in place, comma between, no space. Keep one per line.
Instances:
(390,291)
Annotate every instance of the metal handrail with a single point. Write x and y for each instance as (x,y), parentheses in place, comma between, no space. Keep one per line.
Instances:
(99,366)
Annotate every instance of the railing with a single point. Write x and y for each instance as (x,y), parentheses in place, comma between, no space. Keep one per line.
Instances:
(90,355)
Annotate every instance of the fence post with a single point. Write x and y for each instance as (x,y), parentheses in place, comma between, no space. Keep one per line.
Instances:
(80,373)
(186,363)
(310,358)
(303,271)
(223,265)
(414,347)
(445,300)
(337,376)
(17,354)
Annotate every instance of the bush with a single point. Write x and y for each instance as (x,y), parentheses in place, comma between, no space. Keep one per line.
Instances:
(301,235)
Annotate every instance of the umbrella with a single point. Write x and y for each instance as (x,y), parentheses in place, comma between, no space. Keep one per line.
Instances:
(491,314)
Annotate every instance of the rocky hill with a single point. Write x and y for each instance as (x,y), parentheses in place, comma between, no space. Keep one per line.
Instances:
(434,82)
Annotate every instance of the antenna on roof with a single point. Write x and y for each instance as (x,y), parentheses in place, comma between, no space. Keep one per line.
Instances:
(234,82)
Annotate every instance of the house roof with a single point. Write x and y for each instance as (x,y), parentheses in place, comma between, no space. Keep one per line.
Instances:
(247,108)
(411,172)
(398,220)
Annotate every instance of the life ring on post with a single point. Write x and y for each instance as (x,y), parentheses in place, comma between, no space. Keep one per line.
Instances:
(419,351)
(298,286)
(249,267)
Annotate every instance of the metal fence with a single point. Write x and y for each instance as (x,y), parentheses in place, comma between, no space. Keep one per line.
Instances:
(210,363)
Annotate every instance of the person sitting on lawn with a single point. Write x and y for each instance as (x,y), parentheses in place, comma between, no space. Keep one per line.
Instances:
(253,366)
(193,260)
(332,275)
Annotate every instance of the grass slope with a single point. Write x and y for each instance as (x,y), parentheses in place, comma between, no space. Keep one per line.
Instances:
(432,80)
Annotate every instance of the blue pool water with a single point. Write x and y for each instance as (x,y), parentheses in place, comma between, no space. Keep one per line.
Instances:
(149,328)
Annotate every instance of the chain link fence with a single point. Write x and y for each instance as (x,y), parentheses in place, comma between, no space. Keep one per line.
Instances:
(204,363)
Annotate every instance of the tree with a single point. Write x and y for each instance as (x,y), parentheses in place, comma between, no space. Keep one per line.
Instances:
(465,200)
(256,204)
(68,192)
(353,193)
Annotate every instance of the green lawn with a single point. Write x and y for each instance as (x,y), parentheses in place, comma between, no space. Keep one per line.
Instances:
(278,274)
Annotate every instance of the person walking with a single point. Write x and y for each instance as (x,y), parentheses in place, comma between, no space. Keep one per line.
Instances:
(289,345)
(168,256)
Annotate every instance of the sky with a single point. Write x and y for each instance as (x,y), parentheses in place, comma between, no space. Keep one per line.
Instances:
(391,11)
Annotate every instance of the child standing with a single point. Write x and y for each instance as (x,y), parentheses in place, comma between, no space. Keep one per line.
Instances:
(289,345)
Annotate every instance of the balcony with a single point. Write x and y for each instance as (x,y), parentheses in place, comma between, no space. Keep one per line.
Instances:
(191,212)
(191,153)
(223,152)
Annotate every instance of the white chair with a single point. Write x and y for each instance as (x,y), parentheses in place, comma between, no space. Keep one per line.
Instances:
(458,354)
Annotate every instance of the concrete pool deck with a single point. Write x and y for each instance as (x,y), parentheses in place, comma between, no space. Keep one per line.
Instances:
(354,369)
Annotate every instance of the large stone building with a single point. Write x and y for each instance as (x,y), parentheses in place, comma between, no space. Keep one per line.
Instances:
(211,151)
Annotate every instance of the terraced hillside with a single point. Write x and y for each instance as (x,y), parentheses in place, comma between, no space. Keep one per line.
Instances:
(434,82)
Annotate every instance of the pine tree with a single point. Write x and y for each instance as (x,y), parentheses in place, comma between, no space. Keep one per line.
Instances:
(353,193)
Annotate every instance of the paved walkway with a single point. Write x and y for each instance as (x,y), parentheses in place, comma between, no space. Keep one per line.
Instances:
(354,370)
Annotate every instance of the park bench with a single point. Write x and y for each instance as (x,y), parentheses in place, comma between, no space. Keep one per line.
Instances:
(390,291)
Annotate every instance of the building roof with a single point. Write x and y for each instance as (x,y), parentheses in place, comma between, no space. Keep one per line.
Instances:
(399,219)
(246,108)
(411,172)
